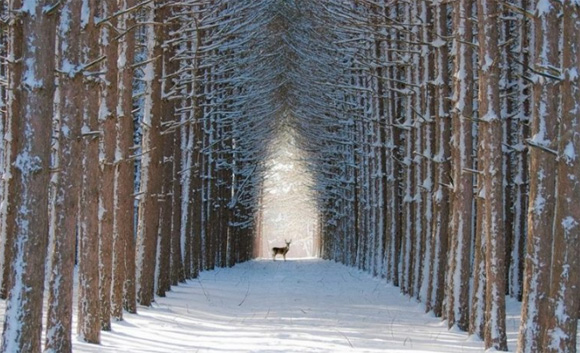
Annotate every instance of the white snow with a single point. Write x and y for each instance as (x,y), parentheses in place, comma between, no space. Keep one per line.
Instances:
(543,7)
(292,306)
(569,153)
(487,63)
(306,305)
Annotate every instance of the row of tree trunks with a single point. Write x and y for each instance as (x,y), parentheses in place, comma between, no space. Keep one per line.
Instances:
(477,210)
(81,58)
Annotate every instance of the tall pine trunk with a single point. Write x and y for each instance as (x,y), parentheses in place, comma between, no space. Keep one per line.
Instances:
(123,286)
(462,161)
(31,43)
(152,148)
(107,126)
(538,260)
(89,323)
(60,295)
(490,134)
(564,307)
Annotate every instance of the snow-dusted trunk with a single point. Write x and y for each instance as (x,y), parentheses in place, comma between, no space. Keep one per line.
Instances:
(3,121)
(381,153)
(152,149)
(196,212)
(425,182)
(176,200)
(166,231)
(123,286)
(490,134)
(393,201)
(461,153)
(31,46)
(477,321)
(420,78)
(107,121)
(408,197)
(11,126)
(520,113)
(89,326)
(60,292)
(440,229)
(561,333)
(542,176)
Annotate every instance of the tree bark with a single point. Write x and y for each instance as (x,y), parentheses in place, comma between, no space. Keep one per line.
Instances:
(561,333)
(107,123)
(490,133)
(148,221)
(89,325)
(441,181)
(538,260)
(461,154)
(123,286)
(32,45)
(60,295)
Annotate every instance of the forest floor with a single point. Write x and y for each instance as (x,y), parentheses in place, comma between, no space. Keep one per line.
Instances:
(293,306)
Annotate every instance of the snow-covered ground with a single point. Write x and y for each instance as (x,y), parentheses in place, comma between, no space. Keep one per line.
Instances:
(294,306)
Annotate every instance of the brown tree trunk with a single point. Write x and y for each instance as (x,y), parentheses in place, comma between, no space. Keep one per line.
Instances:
(5,151)
(490,133)
(148,221)
(60,296)
(168,138)
(441,181)
(562,327)
(107,122)
(538,260)
(176,199)
(89,325)
(123,286)
(32,45)
(462,161)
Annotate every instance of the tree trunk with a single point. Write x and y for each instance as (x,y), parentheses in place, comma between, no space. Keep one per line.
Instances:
(107,121)
(166,206)
(561,334)
(89,325)
(542,182)
(30,104)
(60,295)
(440,226)
(148,221)
(490,133)
(461,154)
(123,286)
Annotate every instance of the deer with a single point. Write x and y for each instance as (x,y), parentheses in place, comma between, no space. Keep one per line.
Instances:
(283,251)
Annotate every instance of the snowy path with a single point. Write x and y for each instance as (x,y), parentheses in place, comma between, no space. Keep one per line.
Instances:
(293,306)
